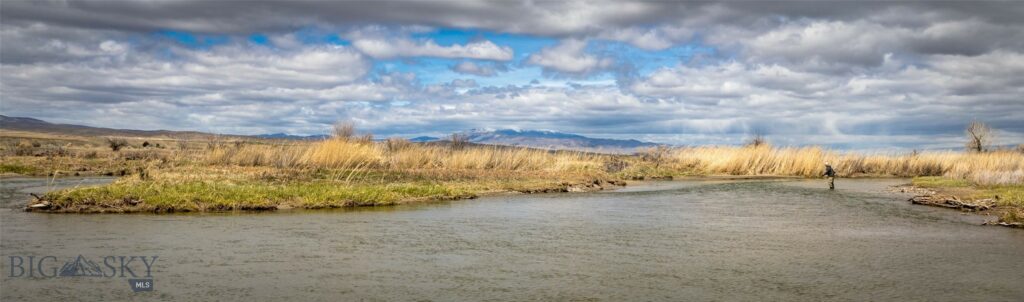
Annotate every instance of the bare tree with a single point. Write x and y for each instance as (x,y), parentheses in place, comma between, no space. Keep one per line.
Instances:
(757,141)
(344,130)
(459,140)
(979,136)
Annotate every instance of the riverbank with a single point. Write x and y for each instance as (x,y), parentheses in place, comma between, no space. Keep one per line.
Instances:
(208,189)
(1005,202)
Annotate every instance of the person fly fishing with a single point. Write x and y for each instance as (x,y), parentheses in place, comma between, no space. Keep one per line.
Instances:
(831,174)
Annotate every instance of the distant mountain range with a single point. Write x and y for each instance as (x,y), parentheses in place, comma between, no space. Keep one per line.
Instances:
(37,125)
(424,139)
(289,136)
(506,137)
(554,140)
(524,138)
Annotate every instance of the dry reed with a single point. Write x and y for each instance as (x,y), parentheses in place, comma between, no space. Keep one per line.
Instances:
(1002,167)
(401,155)
(989,168)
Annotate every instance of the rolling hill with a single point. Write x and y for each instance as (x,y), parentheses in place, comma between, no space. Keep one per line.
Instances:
(554,140)
(505,137)
(36,125)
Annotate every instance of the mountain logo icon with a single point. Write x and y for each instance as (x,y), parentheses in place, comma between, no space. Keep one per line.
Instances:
(81,267)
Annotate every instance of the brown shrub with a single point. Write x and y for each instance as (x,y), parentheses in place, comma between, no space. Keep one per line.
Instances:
(116,144)
(24,148)
(396,144)
(343,130)
(458,140)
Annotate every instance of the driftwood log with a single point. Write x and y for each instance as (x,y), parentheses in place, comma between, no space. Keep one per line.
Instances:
(953,202)
(39,203)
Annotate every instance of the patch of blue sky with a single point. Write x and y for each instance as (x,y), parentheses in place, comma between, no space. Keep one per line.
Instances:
(317,36)
(521,44)
(191,40)
(259,39)
(422,67)
(647,61)
(517,76)
(432,71)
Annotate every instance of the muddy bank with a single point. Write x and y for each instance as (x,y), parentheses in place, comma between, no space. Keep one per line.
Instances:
(579,187)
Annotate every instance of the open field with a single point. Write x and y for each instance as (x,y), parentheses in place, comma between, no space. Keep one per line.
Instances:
(235,174)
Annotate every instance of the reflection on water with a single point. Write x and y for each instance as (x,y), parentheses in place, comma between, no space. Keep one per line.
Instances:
(14,192)
(747,240)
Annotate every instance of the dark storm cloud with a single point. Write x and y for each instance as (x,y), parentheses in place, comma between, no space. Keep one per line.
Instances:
(540,17)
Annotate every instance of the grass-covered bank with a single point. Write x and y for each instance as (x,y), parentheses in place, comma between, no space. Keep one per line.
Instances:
(205,189)
(188,196)
(1005,201)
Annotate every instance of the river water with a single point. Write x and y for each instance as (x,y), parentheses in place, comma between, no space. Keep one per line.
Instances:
(684,240)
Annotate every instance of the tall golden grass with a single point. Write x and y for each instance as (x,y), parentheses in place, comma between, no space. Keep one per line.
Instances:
(341,153)
(988,168)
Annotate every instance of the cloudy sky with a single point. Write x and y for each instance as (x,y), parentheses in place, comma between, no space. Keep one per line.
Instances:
(847,75)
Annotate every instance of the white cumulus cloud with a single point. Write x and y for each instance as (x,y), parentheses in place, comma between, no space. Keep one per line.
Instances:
(402,47)
(569,56)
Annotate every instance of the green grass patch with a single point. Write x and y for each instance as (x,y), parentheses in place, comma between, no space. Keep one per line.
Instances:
(647,171)
(19,169)
(225,195)
(940,182)
(1012,195)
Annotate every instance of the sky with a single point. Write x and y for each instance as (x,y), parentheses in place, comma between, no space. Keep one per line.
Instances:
(847,75)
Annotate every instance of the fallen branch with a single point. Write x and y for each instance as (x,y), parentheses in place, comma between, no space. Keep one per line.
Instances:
(953,202)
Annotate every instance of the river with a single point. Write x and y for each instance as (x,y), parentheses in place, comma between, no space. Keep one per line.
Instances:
(790,240)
